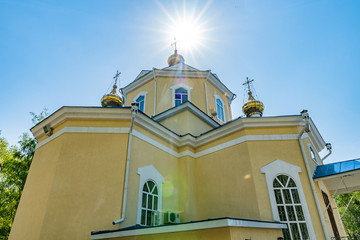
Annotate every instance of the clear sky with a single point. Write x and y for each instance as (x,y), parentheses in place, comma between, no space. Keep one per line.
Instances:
(303,54)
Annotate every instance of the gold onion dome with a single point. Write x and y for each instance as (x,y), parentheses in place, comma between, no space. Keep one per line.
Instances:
(112,99)
(253,107)
(175,59)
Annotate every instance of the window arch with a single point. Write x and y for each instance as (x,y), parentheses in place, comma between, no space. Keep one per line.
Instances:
(141,99)
(150,196)
(273,171)
(150,204)
(181,94)
(289,208)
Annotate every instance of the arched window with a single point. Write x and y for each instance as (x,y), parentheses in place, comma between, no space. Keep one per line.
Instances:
(150,204)
(141,101)
(181,96)
(290,208)
(140,98)
(220,110)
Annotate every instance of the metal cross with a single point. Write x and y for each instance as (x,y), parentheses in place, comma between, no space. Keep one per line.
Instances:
(174,44)
(248,81)
(116,76)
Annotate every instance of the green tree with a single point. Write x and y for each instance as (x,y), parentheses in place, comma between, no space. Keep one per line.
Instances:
(349,209)
(16,161)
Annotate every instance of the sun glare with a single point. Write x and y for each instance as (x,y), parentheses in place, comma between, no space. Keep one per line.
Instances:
(187,34)
(187,27)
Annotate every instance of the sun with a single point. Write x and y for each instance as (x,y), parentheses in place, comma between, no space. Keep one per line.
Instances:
(188,27)
(187,33)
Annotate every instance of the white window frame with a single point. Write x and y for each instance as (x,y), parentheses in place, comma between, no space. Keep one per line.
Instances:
(217,97)
(312,151)
(186,87)
(149,173)
(279,167)
(142,93)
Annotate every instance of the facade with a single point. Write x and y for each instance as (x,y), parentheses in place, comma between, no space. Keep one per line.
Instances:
(175,166)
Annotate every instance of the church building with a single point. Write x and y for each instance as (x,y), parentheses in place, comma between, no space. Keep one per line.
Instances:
(163,159)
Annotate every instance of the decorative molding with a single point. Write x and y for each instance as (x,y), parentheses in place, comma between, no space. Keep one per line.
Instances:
(149,173)
(217,223)
(142,120)
(279,167)
(177,86)
(187,106)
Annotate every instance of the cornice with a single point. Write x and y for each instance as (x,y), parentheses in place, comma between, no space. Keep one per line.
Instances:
(180,74)
(142,120)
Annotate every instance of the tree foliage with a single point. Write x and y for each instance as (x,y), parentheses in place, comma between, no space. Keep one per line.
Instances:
(350,212)
(16,161)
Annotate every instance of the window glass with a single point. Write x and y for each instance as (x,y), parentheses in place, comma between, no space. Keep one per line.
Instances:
(220,109)
(141,101)
(313,155)
(181,96)
(289,208)
(149,205)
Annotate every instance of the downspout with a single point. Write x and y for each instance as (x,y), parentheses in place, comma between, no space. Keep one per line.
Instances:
(329,148)
(154,91)
(134,110)
(206,98)
(306,128)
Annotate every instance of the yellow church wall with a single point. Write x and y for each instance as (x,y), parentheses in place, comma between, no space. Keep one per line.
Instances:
(248,131)
(144,154)
(154,137)
(165,93)
(288,151)
(36,193)
(186,122)
(187,197)
(79,197)
(211,90)
(226,171)
(148,87)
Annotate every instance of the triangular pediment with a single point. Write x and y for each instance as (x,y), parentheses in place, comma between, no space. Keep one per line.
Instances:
(186,118)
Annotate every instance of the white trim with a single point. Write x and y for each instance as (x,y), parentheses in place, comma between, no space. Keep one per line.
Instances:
(311,150)
(149,173)
(191,227)
(223,108)
(279,167)
(177,86)
(163,147)
(99,113)
(84,130)
(142,93)
(187,106)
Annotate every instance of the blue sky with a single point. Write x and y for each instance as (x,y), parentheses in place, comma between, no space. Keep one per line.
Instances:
(302,54)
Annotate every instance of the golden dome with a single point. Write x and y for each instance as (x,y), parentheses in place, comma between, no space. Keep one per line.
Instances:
(253,107)
(112,99)
(175,59)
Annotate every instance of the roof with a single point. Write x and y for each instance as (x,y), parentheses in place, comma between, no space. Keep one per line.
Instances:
(188,226)
(340,177)
(186,106)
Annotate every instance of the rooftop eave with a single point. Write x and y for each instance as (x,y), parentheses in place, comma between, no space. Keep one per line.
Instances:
(178,74)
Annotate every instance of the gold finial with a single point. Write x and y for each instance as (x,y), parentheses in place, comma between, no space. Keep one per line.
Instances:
(113,99)
(116,76)
(174,44)
(252,107)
